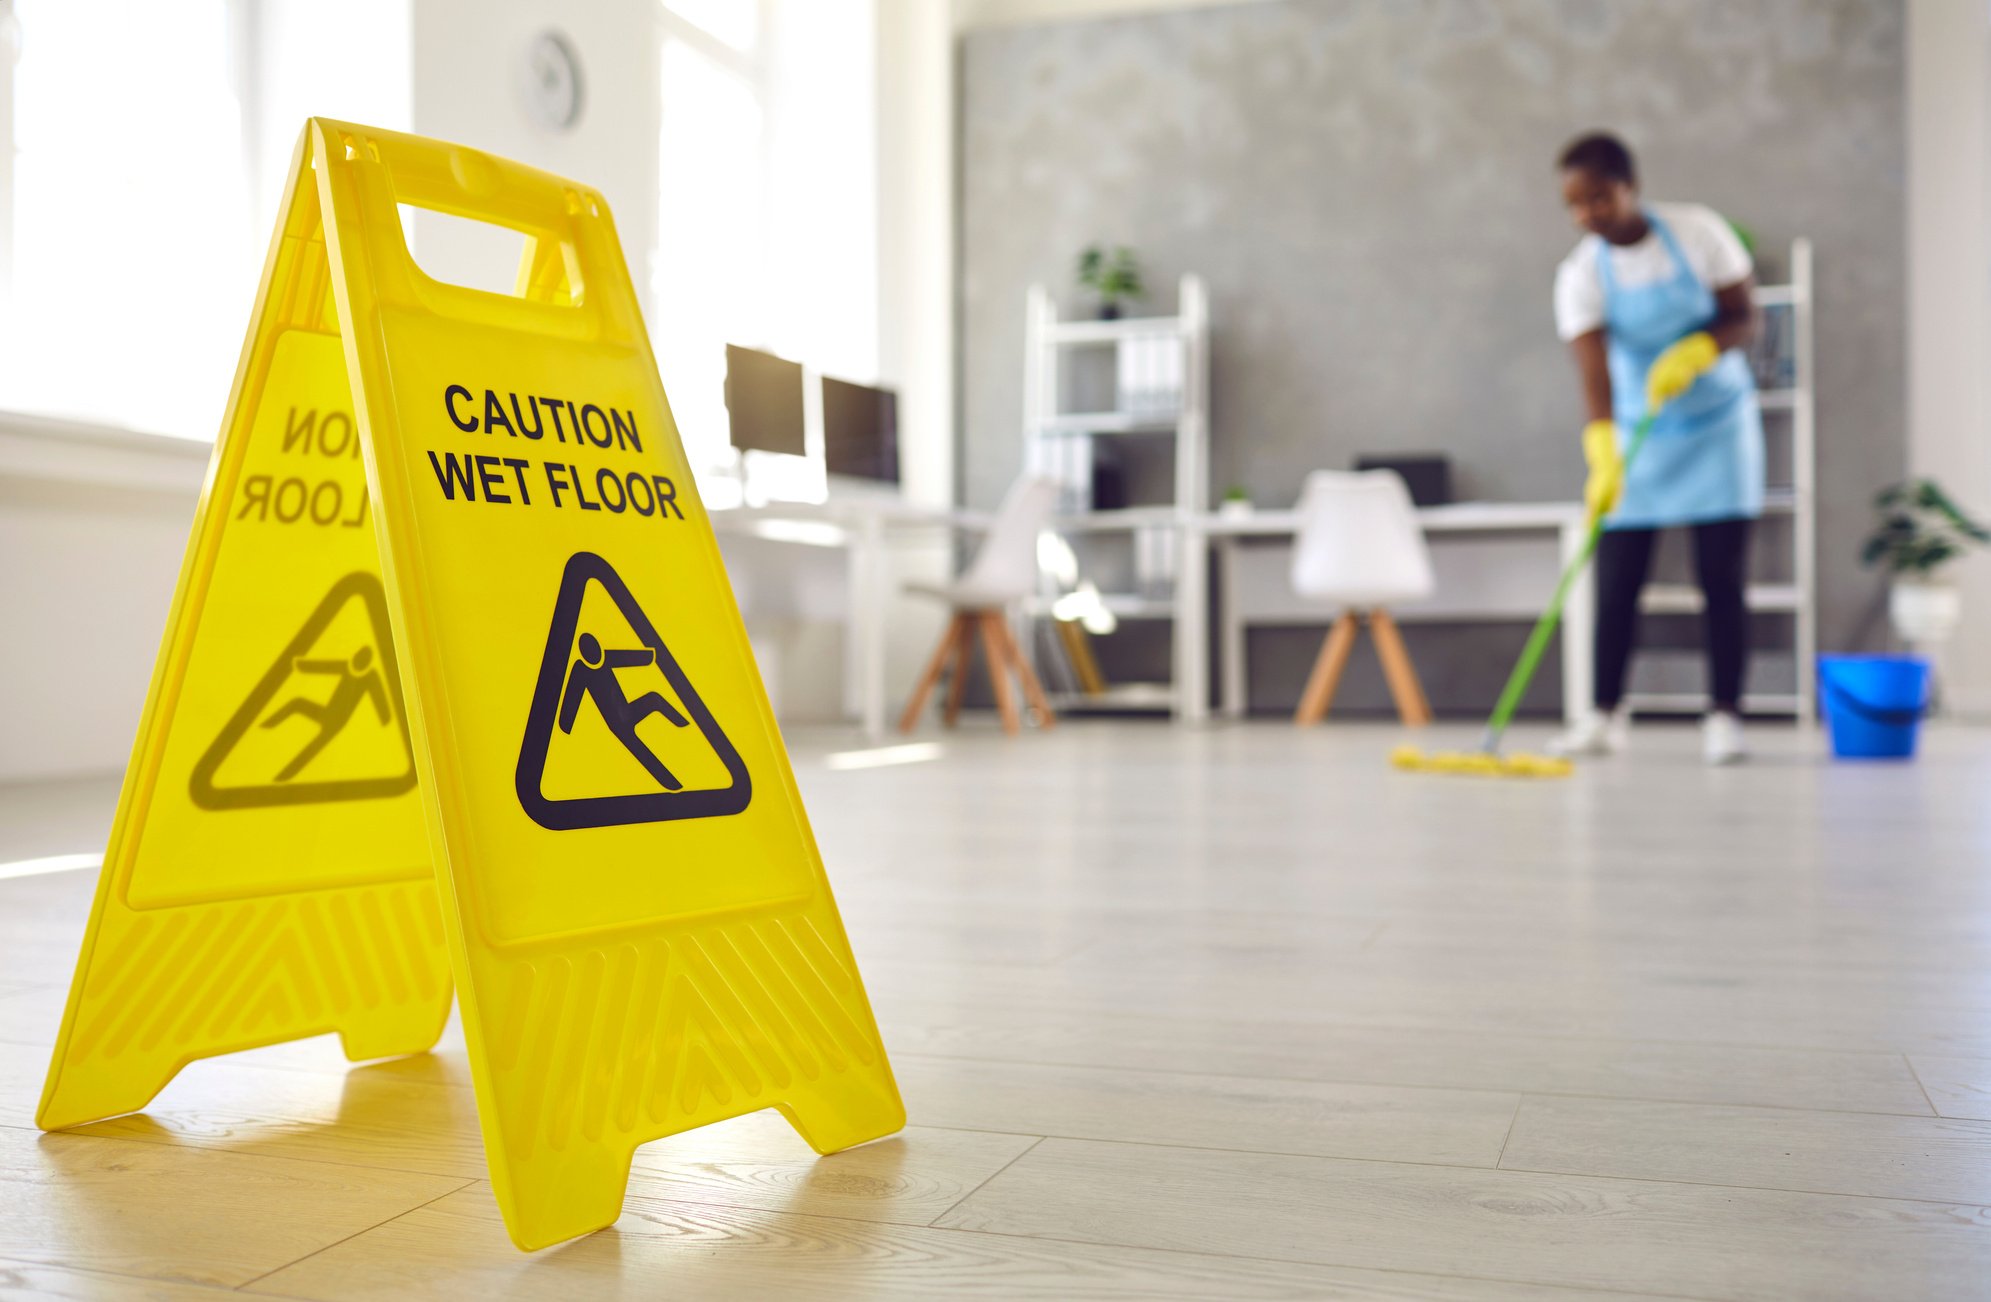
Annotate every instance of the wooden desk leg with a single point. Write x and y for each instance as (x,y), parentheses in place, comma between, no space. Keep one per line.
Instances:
(870,598)
(1326,675)
(1411,705)
(992,638)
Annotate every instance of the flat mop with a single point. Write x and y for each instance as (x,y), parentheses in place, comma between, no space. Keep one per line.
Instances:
(1487,761)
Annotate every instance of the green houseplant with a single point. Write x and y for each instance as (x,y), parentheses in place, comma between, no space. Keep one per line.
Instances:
(1115,277)
(1921,531)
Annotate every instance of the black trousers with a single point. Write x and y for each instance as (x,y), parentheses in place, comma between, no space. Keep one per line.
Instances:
(1721,564)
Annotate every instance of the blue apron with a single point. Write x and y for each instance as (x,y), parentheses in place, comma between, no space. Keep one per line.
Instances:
(1704,460)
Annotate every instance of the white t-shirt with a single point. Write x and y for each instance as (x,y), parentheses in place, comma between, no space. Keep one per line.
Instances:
(1706,240)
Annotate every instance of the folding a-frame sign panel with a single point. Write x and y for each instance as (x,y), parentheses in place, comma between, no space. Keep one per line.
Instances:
(454,686)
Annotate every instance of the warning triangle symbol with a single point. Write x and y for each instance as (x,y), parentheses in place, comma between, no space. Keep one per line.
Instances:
(325,722)
(579,701)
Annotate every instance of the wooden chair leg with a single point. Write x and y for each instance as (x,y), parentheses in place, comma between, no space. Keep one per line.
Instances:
(964,660)
(1033,691)
(948,643)
(1326,675)
(1411,705)
(991,622)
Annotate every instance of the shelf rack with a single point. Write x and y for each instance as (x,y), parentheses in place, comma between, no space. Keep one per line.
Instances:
(1170,355)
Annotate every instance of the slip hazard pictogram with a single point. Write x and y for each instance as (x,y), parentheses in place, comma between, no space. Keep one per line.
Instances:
(325,720)
(617,733)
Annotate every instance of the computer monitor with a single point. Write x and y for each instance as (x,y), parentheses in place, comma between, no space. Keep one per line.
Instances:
(764,401)
(860,431)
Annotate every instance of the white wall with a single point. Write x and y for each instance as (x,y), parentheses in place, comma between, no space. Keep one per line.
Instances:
(92,528)
(466,69)
(1949,296)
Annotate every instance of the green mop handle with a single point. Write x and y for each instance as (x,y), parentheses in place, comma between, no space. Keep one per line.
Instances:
(1538,640)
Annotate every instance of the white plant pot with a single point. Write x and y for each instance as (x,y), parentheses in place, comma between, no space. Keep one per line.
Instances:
(1234,508)
(1924,615)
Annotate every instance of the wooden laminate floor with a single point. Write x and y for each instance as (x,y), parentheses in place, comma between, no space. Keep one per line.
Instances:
(1224,1013)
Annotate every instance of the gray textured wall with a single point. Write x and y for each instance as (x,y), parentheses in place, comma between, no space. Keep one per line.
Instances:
(1367,186)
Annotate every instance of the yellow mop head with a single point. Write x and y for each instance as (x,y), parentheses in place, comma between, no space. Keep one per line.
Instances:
(1480,764)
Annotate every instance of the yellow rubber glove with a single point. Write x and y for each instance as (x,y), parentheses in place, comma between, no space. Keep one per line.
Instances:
(1607,468)
(1675,370)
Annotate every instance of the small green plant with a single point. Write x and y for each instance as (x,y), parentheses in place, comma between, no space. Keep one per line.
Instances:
(1920,530)
(1237,493)
(1115,277)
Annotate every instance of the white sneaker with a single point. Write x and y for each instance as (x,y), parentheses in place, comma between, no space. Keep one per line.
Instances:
(1721,738)
(1596,733)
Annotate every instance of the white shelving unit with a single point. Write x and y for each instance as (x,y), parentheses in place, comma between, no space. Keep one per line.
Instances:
(1159,369)
(1789,422)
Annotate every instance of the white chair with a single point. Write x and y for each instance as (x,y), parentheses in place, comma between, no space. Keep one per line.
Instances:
(1360,548)
(1003,573)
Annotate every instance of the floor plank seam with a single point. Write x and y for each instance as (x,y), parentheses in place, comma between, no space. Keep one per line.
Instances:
(1877,1049)
(191,1146)
(312,1159)
(984,1182)
(1417,1085)
(1966,1203)
(1916,1076)
(1498,1165)
(1204,1253)
(1500,1162)
(1209,1253)
(249,1283)
(47,1046)
(1214,1254)
(341,1069)
(19,1263)
(1426,1028)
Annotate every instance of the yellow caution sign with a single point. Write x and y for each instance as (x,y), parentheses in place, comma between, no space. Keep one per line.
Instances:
(454,687)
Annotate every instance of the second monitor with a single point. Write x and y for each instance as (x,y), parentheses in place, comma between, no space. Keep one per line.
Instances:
(860,431)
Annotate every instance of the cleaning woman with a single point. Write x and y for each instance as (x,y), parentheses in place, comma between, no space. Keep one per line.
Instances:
(1655,304)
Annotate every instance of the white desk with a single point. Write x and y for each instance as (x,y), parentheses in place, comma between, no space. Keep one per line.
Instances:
(1493,561)
(862,527)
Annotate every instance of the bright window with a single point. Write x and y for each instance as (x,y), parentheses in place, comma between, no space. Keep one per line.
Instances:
(137,199)
(709,284)
(131,261)
(767,211)
(150,141)
(734,22)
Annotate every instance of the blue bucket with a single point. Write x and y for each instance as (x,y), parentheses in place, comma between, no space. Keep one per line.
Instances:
(1874,704)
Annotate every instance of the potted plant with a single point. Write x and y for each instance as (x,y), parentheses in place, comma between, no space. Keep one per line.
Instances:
(1920,532)
(1236,503)
(1115,277)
